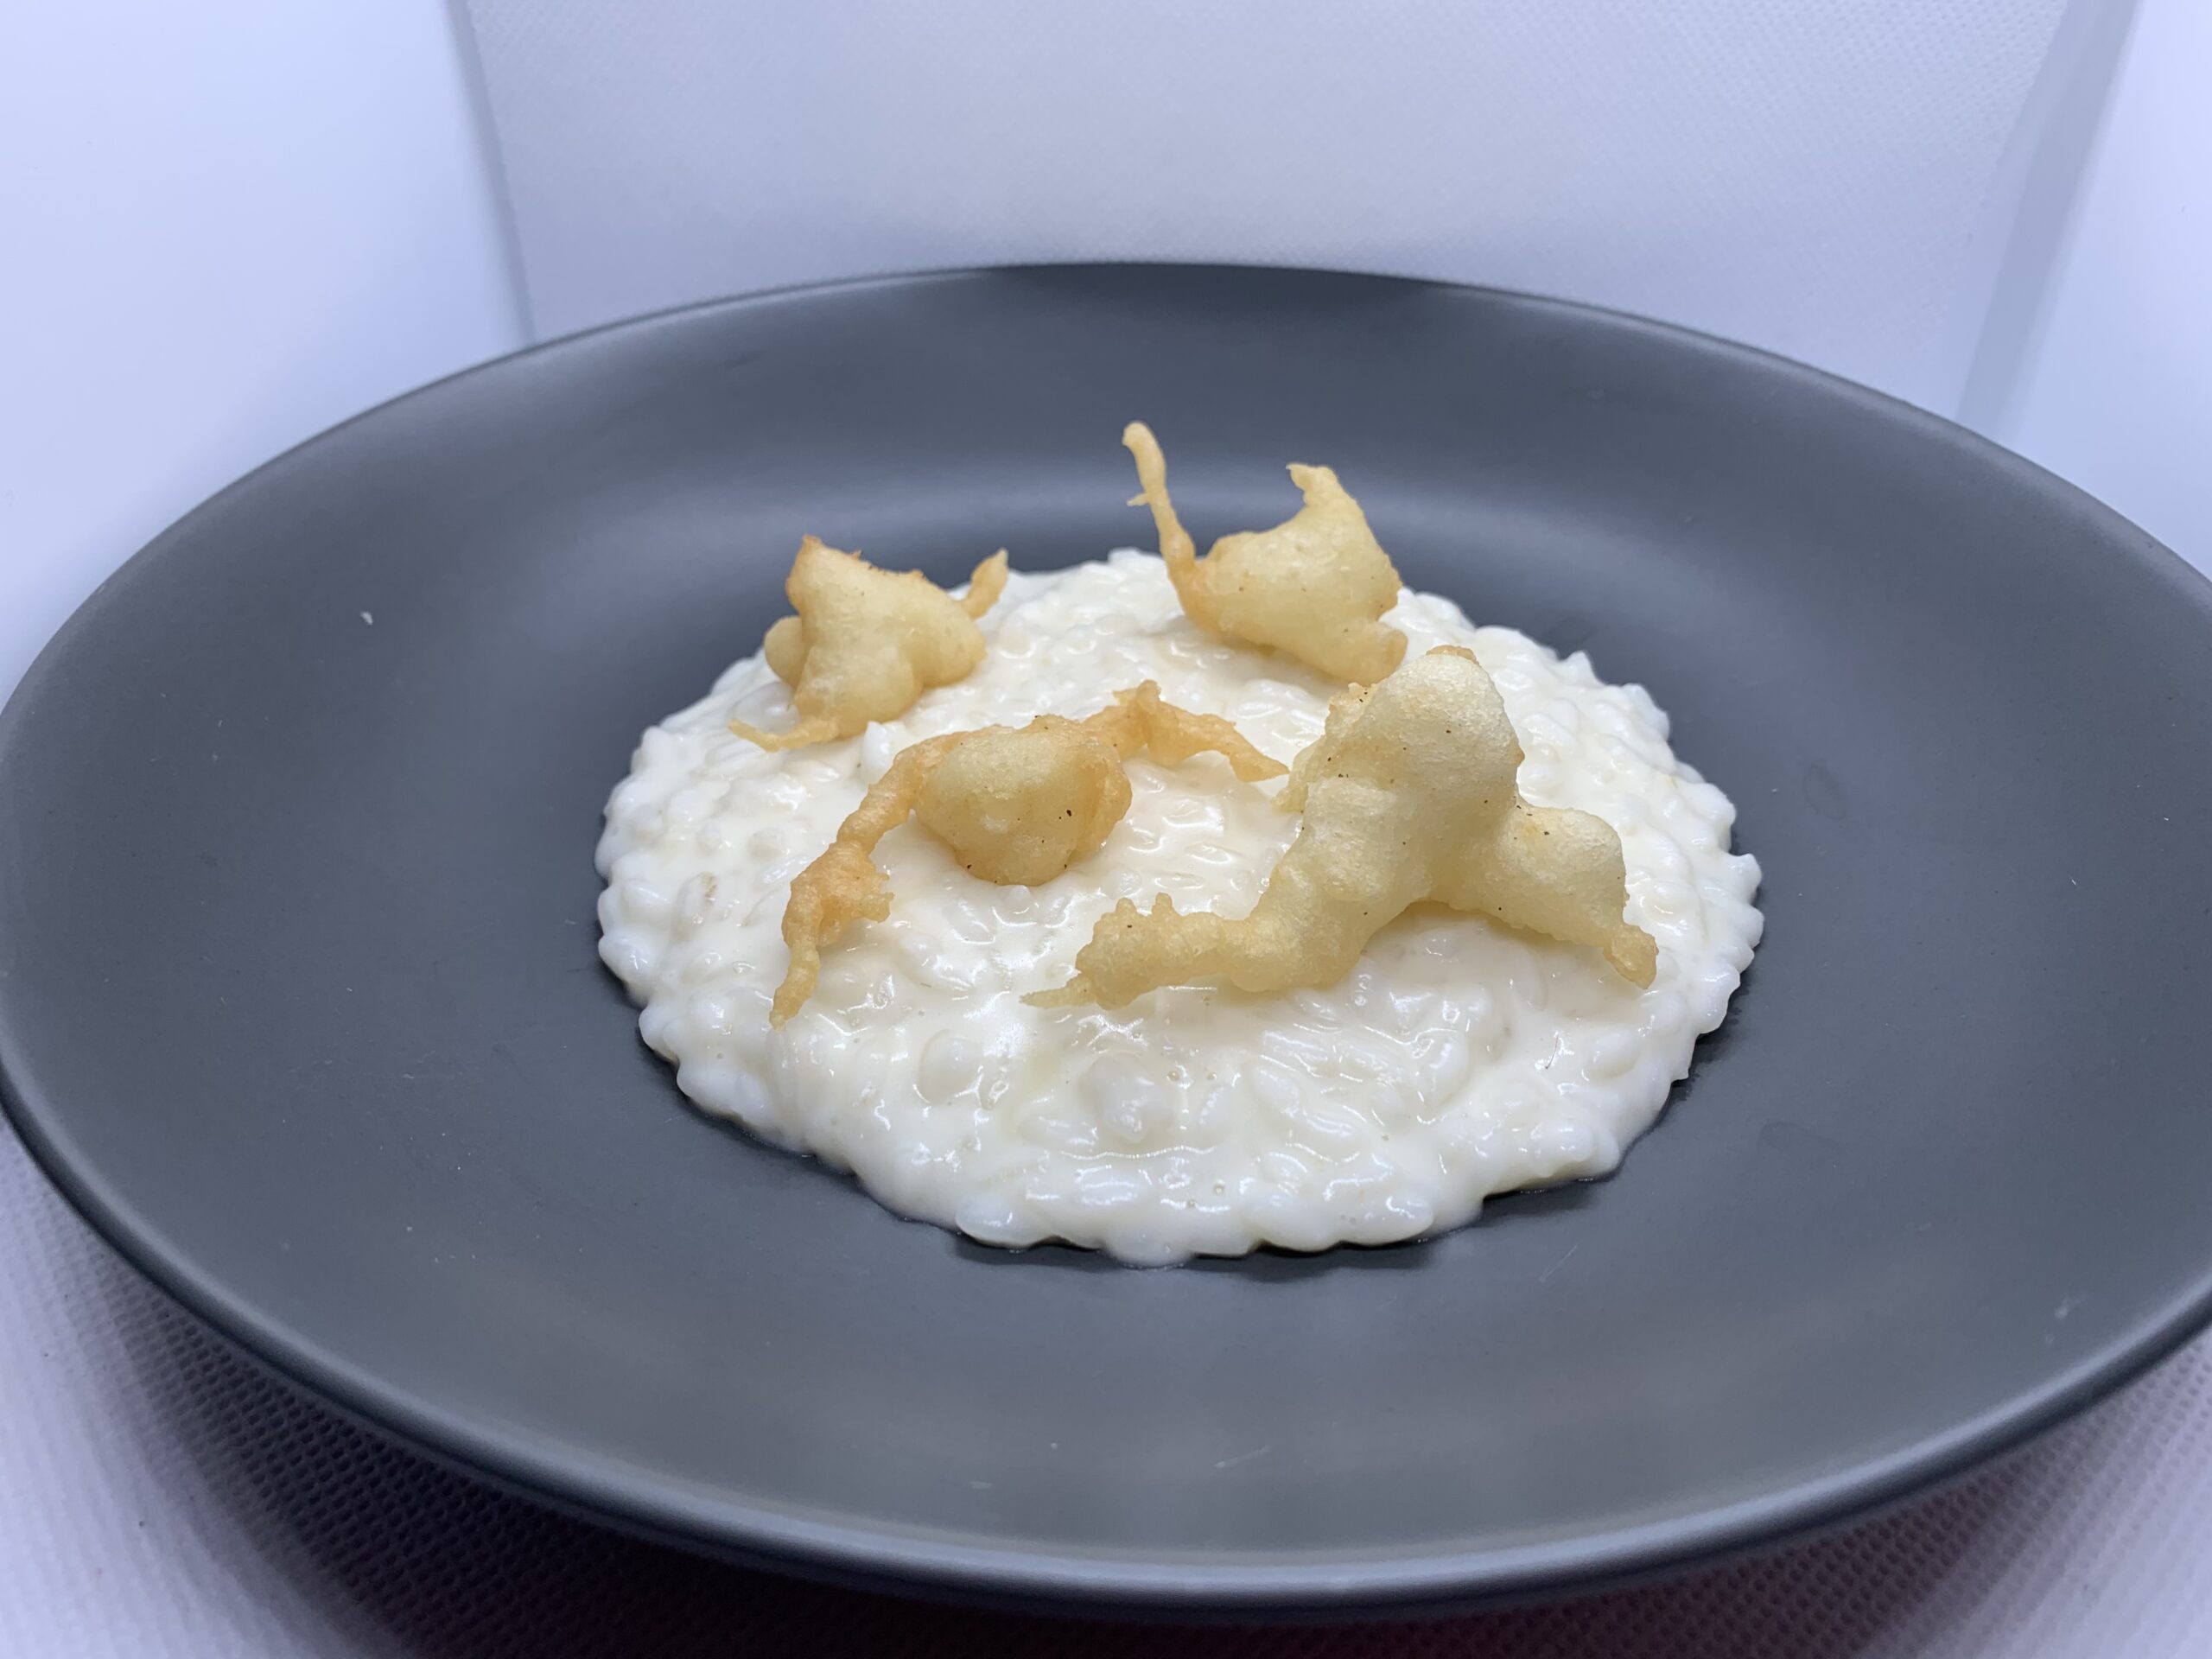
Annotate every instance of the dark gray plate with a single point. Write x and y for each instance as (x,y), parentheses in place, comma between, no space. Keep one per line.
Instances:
(299,1003)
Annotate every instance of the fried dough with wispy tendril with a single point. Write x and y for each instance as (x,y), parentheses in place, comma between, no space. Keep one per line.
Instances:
(1409,796)
(1017,806)
(866,643)
(1313,587)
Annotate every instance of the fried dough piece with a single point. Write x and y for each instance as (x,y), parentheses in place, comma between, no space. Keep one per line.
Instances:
(866,643)
(1019,807)
(1409,795)
(1313,587)
(843,886)
(1016,805)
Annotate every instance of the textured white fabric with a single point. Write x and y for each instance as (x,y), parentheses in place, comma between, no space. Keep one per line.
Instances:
(159,1498)
(1833,179)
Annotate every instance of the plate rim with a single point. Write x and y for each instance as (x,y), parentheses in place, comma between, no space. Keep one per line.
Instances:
(860,1550)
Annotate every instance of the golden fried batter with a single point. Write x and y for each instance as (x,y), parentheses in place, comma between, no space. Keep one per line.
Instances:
(866,643)
(1409,795)
(843,886)
(1016,805)
(1313,587)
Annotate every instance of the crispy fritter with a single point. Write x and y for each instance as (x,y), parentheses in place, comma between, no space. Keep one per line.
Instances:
(866,643)
(1313,587)
(1409,796)
(1016,805)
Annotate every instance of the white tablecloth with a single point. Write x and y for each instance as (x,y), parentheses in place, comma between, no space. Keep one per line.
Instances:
(160,1497)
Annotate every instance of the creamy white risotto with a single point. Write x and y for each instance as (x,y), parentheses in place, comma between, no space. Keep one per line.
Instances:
(1458,1061)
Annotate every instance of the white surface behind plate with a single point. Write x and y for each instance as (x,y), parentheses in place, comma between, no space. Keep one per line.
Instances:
(2114,388)
(223,226)
(1834,180)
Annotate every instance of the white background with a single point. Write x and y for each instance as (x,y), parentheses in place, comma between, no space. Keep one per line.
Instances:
(1836,181)
(225,225)
(2115,377)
